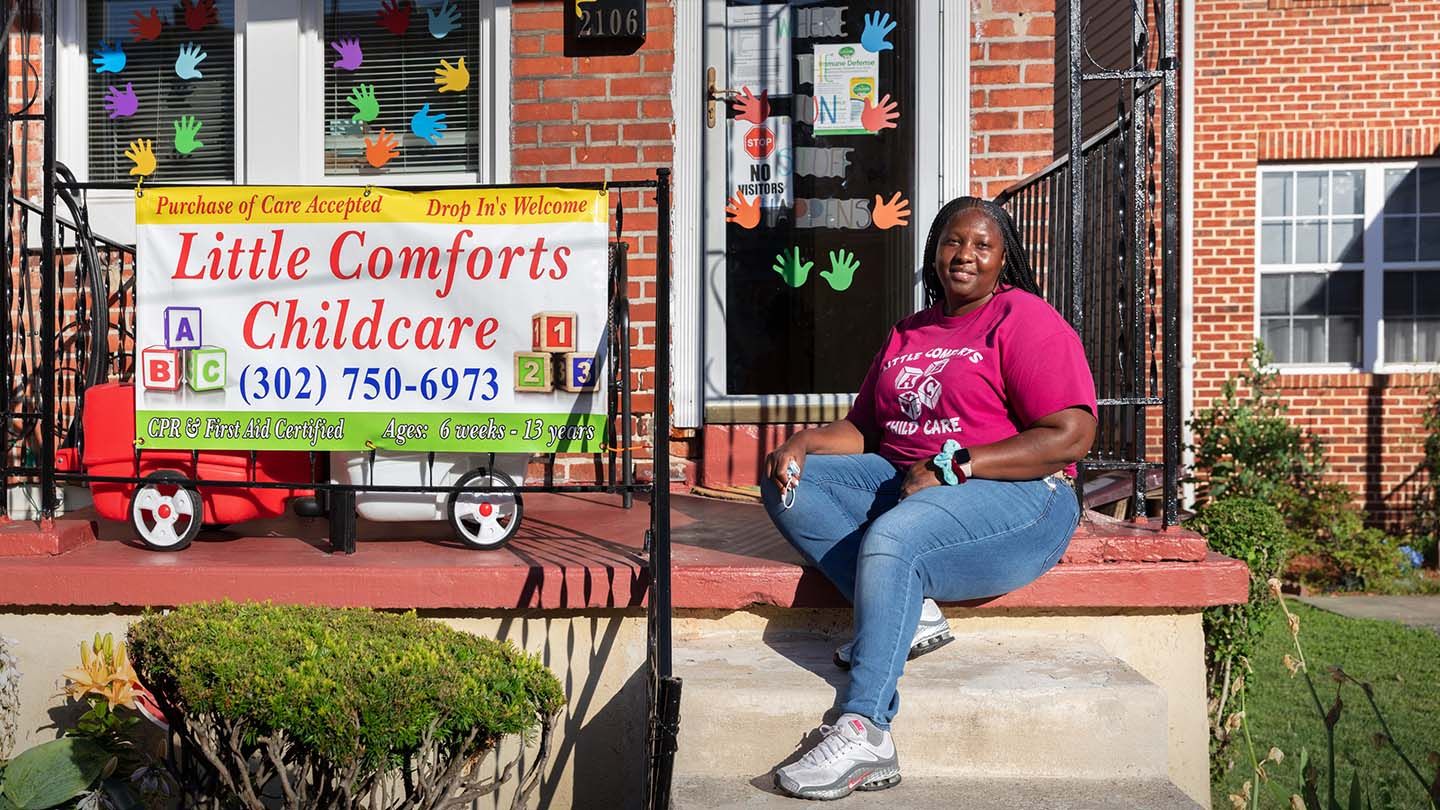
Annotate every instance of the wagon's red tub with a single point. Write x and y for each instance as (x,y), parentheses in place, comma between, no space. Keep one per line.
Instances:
(167,515)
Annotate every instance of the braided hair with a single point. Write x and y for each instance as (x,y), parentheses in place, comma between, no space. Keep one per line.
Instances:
(1015,273)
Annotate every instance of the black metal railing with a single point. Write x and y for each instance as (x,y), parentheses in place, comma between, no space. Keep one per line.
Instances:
(1103,240)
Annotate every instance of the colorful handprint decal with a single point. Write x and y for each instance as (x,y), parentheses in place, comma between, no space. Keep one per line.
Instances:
(121,104)
(199,13)
(791,269)
(452,78)
(186,128)
(743,212)
(383,150)
(351,56)
(876,117)
(843,265)
(146,28)
(877,27)
(109,57)
(890,214)
(443,20)
(187,64)
(428,126)
(367,106)
(142,154)
(750,107)
(395,16)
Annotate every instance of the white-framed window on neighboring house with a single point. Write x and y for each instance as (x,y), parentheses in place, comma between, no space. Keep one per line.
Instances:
(1349,265)
(284,91)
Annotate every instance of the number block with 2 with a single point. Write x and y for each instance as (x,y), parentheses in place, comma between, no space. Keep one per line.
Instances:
(533,372)
(579,372)
(553,332)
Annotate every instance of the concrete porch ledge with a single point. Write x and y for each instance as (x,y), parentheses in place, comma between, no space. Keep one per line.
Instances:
(573,552)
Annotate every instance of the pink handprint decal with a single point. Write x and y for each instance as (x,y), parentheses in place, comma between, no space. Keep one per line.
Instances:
(350,54)
(395,16)
(882,116)
(752,108)
(121,104)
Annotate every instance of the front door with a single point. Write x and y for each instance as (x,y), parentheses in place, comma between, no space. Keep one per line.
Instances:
(811,226)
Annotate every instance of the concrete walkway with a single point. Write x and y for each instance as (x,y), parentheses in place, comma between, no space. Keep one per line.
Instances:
(1415,611)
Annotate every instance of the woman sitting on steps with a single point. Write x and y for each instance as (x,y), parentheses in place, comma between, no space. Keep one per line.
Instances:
(944,481)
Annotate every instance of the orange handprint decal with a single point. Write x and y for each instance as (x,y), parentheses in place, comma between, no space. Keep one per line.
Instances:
(382,150)
(889,214)
(750,107)
(882,116)
(743,212)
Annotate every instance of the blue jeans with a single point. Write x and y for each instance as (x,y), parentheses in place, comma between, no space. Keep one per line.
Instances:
(950,543)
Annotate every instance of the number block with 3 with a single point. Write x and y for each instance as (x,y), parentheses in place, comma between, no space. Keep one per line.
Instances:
(553,332)
(533,372)
(579,372)
(205,368)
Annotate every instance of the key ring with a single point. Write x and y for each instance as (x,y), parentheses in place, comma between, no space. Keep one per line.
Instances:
(787,496)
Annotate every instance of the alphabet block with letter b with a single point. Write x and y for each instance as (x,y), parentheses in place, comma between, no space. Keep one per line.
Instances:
(553,332)
(160,369)
(579,372)
(205,368)
(533,372)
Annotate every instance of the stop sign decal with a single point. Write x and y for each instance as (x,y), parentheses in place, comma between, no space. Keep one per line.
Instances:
(759,143)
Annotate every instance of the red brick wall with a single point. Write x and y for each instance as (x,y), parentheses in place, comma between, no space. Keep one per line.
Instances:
(1012,91)
(1274,83)
(599,118)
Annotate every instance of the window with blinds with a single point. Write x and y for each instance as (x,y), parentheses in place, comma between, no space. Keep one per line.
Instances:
(369,45)
(143,96)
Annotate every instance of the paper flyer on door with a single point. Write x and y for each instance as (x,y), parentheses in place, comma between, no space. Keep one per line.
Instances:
(846,77)
(324,318)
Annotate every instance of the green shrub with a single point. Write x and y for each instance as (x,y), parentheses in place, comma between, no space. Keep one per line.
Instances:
(340,691)
(1426,522)
(1253,532)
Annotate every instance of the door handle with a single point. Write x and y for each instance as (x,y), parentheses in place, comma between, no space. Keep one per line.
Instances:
(714,94)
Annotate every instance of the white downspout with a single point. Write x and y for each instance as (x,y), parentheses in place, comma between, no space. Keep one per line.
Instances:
(1187,232)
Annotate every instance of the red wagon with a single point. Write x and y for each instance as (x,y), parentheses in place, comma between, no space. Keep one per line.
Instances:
(165,513)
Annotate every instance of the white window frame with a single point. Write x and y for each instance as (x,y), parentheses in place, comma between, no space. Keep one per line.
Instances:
(296,99)
(1372,320)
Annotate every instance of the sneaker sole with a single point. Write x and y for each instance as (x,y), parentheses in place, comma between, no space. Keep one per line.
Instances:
(876,780)
(917,649)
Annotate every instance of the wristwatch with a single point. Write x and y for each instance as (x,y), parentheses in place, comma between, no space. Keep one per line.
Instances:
(960,464)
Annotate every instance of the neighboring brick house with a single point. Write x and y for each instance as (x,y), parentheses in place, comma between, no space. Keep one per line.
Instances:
(967,120)
(1317,220)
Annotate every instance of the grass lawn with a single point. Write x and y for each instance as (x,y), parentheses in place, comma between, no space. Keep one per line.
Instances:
(1402,664)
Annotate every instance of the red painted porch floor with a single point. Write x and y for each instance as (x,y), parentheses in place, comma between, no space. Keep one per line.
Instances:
(572,552)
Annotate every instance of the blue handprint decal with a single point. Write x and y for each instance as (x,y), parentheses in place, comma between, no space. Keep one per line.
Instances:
(443,20)
(877,27)
(427,125)
(110,57)
(188,63)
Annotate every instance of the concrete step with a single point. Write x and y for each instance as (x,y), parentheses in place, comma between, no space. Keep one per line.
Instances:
(988,705)
(735,793)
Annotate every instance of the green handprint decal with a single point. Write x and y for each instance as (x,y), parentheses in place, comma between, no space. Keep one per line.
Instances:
(843,265)
(367,107)
(186,128)
(791,269)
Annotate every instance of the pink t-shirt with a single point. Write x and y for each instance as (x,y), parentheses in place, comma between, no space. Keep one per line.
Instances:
(977,378)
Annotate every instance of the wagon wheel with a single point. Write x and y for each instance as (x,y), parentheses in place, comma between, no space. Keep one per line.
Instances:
(166,515)
(484,519)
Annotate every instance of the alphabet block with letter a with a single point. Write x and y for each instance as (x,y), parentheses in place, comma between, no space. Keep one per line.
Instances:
(182,328)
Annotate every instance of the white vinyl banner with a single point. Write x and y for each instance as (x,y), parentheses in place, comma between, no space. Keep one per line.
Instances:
(324,318)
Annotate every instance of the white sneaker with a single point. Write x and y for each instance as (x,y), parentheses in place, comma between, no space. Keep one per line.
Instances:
(931,634)
(852,755)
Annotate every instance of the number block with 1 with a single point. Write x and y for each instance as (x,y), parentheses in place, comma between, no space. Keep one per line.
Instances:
(553,332)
